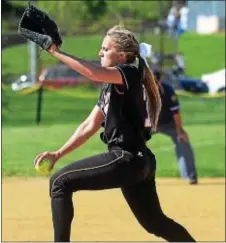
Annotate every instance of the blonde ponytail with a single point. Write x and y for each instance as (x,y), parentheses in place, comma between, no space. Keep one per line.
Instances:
(154,99)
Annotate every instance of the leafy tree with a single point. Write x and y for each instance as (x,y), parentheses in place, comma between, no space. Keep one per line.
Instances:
(98,15)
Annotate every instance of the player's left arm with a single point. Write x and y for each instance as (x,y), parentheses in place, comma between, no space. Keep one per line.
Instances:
(88,69)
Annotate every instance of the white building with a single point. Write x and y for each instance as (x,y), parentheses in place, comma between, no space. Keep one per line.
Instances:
(206,16)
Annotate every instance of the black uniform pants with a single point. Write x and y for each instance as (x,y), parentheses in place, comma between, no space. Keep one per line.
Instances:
(134,174)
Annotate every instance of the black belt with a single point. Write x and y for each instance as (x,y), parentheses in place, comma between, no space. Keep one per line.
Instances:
(135,151)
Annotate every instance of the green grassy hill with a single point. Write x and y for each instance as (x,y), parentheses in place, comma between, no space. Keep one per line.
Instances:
(203,53)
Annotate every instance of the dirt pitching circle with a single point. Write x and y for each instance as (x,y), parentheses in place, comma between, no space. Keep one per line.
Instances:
(105,216)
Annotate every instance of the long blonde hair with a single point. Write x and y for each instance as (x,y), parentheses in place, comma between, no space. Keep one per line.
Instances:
(126,42)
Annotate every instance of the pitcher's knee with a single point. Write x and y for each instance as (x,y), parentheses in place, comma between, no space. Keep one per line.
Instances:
(59,186)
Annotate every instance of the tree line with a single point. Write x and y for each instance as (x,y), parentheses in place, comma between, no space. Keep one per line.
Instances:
(92,15)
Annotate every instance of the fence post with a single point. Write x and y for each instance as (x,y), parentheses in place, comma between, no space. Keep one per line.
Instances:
(39,105)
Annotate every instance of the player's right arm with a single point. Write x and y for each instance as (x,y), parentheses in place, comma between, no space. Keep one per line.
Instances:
(85,130)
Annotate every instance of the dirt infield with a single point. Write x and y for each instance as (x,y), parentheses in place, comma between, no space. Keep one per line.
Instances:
(105,216)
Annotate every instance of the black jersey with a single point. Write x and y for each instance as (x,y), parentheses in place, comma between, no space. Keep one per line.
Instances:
(170,104)
(124,110)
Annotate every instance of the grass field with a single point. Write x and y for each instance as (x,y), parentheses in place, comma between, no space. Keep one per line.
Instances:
(22,139)
(207,51)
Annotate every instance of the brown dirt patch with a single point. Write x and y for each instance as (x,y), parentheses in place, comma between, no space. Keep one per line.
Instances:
(105,216)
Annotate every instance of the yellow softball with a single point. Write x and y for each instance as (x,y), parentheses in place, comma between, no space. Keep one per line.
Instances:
(43,168)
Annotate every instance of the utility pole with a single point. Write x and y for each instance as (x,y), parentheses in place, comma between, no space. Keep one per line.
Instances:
(161,49)
(35,65)
(33,57)
(33,61)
